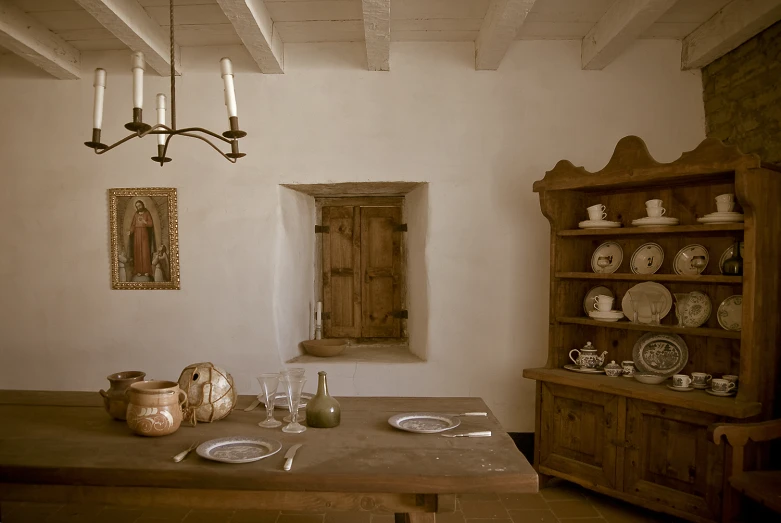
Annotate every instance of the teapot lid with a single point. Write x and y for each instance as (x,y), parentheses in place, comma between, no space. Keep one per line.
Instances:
(612,365)
(588,346)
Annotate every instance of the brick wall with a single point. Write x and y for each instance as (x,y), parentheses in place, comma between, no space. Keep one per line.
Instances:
(742,94)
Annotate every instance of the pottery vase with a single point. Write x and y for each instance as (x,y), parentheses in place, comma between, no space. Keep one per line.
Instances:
(155,407)
(114,399)
(323,411)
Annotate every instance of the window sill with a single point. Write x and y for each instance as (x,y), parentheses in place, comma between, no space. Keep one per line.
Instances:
(366,353)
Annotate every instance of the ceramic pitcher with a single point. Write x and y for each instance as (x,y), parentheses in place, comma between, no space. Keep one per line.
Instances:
(155,407)
(114,399)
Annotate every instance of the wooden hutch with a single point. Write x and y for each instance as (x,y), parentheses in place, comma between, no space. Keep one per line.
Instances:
(647,444)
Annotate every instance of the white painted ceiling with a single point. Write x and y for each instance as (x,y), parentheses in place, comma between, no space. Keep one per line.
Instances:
(202,22)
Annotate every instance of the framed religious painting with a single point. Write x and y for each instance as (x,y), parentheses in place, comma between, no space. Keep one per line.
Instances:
(144,238)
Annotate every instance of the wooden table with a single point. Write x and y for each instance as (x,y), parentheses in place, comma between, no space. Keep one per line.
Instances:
(62,447)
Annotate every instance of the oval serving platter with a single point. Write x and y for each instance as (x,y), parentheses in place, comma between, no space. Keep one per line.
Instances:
(424,422)
(238,449)
(660,354)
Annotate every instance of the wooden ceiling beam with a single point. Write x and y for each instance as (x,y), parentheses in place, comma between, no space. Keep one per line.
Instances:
(501,23)
(256,29)
(24,36)
(737,22)
(621,25)
(376,28)
(131,24)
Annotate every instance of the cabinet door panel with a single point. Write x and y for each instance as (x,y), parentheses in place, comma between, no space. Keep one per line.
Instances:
(669,457)
(579,429)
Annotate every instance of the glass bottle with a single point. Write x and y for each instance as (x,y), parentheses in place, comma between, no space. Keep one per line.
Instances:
(733,266)
(323,411)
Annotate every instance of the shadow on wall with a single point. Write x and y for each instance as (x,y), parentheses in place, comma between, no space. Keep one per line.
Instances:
(416,213)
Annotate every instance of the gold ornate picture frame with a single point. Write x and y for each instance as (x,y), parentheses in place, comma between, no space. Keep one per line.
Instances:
(144,238)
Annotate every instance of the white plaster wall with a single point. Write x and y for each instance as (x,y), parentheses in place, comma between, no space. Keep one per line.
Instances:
(479,138)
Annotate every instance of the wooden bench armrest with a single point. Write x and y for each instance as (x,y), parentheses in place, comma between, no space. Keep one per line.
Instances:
(738,434)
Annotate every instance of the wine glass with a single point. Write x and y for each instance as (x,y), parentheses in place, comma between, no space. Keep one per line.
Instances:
(293,371)
(294,386)
(269,384)
(655,301)
(633,301)
(681,302)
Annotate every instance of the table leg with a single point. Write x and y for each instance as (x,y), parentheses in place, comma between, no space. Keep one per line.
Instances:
(416,517)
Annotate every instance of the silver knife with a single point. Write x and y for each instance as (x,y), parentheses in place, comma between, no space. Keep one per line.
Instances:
(290,454)
(481,434)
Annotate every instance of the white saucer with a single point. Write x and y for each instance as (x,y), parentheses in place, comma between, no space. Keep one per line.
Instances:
(721,394)
(721,217)
(660,221)
(606,315)
(599,224)
(584,370)
(700,387)
(680,389)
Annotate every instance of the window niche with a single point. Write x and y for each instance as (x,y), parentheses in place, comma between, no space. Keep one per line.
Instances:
(370,269)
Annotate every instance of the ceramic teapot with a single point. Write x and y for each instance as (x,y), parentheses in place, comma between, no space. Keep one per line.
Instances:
(587,357)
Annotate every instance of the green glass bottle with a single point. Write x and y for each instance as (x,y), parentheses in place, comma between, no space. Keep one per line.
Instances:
(323,411)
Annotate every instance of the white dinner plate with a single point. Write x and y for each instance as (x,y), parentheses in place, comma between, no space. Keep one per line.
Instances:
(647,259)
(638,292)
(424,422)
(599,224)
(730,313)
(682,263)
(659,221)
(737,218)
(280,400)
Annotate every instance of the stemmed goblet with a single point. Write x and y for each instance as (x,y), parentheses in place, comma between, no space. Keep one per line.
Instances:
(633,301)
(269,384)
(293,371)
(294,385)
(655,301)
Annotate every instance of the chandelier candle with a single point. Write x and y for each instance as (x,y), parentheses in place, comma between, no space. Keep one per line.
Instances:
(165,133)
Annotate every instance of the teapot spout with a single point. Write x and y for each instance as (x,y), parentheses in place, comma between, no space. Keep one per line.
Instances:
(601,358)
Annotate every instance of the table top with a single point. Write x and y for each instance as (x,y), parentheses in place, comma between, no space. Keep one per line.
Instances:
(67,438)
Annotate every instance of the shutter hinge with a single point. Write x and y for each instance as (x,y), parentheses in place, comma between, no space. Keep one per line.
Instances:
(402,314)
(322,229)
(402,227)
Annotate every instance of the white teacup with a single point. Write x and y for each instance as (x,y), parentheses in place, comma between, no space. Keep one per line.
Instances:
(596,212)
(655,212)
(603,303)
(725,198)
(700,378)
(682,381)
(725,206)
(722,385)
(653,203)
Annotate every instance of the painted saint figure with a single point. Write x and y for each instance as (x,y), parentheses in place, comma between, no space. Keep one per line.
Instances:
(142,240)
(160,263)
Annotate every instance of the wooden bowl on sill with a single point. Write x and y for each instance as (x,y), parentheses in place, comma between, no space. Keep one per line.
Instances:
(325,348)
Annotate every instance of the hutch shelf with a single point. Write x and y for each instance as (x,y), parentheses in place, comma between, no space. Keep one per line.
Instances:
(647,444)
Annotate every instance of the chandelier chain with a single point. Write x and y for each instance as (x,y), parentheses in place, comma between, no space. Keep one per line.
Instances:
(173,68)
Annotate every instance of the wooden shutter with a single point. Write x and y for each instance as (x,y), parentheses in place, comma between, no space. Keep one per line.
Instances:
(380,266)
(341,271)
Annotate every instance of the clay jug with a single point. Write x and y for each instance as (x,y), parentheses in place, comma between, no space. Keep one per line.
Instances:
(155,407)
(323,411)
(114,399)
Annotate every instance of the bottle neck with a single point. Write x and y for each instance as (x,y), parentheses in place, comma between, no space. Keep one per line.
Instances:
(322,384)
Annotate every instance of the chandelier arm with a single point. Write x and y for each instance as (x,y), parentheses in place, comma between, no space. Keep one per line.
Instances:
(120,142)
(231,160)
(202,130)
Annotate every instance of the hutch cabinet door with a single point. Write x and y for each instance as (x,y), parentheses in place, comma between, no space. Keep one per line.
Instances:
(578,432)
(670,458)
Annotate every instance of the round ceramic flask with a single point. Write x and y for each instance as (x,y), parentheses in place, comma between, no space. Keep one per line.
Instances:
(155,407)
(114,399)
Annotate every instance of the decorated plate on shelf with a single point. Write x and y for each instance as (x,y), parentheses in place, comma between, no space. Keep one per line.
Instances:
(696,310)
(588,301)
(660,354)
(607,258)
(730,313)
(691,260)
(647,258)
(642,296)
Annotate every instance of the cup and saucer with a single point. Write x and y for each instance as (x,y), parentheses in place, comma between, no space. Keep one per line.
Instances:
(681,383)
(656,217)
(596,219)
(721,387)
(603,309)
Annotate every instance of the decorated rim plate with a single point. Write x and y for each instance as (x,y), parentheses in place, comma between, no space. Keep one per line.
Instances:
(697,310)
(660,354)
(238,449)
(647,259)
(280,400)
(657,221)
(722,394)
(584,370)
(599,224)
(424,422)
(588,301)
(609,252)
(682,263)
(680,389)
(730,313)
(727,254)
(640,295)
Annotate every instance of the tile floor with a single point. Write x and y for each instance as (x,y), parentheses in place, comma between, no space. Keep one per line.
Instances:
(560,502)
